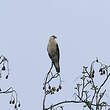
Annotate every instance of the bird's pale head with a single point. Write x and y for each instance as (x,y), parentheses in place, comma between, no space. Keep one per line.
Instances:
(53,36)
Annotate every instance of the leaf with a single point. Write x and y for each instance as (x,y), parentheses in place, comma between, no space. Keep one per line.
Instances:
(3,68)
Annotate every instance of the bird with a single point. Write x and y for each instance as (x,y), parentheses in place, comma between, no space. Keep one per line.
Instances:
(53,52)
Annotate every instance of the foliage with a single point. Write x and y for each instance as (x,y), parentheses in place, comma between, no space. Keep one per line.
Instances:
(88,92)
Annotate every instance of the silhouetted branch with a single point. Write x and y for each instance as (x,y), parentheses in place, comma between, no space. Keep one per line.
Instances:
(87,91)
(46,86)
(93,100)
(4,64)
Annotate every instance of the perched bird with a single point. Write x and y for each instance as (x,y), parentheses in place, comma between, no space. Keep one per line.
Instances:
(53,52)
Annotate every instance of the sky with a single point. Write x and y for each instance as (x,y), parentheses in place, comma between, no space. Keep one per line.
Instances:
(82,28)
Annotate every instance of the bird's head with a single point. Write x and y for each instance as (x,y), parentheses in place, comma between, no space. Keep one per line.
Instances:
(53,36)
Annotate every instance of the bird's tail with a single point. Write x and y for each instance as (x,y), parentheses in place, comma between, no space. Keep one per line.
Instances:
(57,67)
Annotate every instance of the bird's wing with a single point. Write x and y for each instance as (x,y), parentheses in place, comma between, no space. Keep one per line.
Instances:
(49,53)
(57,51)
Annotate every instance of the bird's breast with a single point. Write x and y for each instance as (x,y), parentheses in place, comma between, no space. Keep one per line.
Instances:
(52,47)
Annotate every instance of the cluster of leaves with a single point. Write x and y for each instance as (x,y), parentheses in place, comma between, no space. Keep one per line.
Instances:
(52,90)
(4,66)
(14,101)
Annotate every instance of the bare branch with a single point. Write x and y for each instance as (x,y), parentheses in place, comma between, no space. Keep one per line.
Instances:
(87,92)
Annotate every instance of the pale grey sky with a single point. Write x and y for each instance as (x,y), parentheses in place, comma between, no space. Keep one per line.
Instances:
(83,30)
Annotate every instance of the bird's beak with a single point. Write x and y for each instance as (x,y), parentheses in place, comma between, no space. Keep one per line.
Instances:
(55,37)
